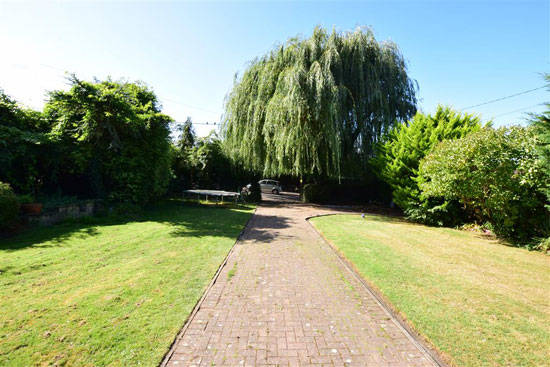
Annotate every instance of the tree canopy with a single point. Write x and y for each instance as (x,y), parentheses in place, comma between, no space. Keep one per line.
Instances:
(315,106)
(112,138)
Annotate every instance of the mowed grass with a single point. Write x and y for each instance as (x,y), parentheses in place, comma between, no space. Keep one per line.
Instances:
(105,292)
(479,302)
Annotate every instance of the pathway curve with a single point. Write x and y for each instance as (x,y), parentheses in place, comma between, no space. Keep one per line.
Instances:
(284,298)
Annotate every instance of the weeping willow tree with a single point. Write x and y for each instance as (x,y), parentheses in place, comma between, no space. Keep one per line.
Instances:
(315,107)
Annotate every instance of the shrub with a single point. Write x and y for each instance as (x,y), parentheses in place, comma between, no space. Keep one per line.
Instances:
(316,193)
(367,190)
(400,154)
(255,193)
(436,211)
(541,123)
(25,199)
(113,140)
(496,177)
(543,244)
(23,145)
(9,206)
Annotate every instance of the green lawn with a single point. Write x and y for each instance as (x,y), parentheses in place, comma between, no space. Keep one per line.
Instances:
(105,292)
(479,302)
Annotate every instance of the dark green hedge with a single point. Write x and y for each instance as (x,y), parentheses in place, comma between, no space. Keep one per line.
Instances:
(9,206)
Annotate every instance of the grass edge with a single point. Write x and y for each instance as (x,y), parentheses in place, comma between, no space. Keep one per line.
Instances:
(426,346)
(164,360)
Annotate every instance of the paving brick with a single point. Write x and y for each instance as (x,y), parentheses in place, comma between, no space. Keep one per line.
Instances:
(291,302)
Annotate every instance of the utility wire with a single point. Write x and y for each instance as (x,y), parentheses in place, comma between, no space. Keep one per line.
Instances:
(521,109)
(500,99)
(198,123)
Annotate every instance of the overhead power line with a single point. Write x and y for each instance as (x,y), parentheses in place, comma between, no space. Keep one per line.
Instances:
(198,123)
(521,109)
(503,98)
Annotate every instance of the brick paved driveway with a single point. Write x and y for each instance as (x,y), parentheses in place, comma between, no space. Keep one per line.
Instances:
(285,299)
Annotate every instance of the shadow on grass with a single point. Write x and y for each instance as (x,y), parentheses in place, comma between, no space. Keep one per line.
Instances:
(374,217)
(185,220)
(369,217)
(53,236)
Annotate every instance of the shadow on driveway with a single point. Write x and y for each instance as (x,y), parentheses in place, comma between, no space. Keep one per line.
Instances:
(282,198)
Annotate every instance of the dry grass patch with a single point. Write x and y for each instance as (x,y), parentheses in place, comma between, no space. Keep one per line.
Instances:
(478,301)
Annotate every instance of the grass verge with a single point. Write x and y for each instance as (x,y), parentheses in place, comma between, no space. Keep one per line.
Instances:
(479,302)
(107,291)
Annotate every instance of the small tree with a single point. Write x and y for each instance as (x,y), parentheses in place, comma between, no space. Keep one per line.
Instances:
(399,156)
(495,175)
(182,166)
(187,135)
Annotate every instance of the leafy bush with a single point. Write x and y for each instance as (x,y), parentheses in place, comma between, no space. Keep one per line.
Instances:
(496,177)
(255,193)
(544,244)
(399,155)
(23,145)
(25,199)
(541,124)
(316,193)
(9,206)
(112,139)
(436,211)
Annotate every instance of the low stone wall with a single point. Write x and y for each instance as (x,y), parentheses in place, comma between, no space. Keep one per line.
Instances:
(60,213)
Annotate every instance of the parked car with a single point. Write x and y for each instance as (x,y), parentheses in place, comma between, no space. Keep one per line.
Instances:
(271,186)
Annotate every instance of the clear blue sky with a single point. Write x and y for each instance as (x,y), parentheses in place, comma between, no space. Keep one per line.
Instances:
(461,52)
